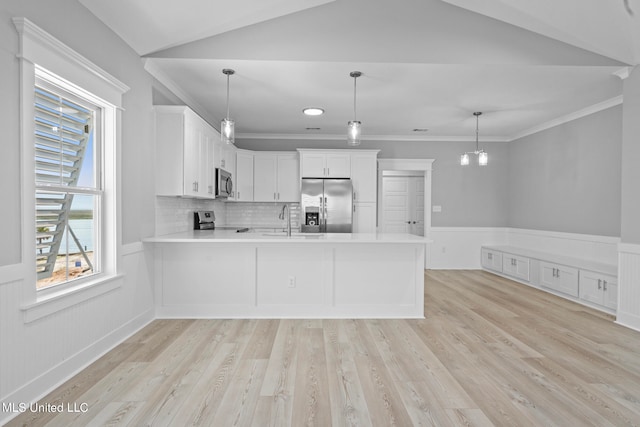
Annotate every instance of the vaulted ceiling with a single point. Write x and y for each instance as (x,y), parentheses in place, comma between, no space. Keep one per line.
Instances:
(426,64)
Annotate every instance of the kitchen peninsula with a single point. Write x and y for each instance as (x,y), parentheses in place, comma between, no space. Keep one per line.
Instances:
(225,274)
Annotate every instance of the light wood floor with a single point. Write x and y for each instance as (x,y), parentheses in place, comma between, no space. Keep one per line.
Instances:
(490,352)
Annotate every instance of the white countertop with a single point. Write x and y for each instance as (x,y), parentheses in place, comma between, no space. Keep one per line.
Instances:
(257,236)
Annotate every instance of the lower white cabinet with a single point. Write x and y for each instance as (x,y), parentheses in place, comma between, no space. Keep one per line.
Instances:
(492,260)
(600,289)
(515,266)
(576,281)
(364,217)
(559,277)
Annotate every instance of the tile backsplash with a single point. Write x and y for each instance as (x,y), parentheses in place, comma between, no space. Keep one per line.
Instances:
(175,214)
(260,215)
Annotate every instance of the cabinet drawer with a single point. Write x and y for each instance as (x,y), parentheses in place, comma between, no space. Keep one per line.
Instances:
(559,277)
(492,260)
(515,266)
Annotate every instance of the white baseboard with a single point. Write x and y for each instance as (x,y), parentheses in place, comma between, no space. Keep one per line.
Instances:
(53,378)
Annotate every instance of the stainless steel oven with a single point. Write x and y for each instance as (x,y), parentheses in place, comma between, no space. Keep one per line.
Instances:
(224,183)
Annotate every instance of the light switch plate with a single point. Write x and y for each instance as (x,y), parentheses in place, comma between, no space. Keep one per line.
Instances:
(436,208)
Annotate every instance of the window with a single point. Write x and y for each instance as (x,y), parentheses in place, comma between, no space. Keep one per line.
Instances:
(68,183)
(70,110)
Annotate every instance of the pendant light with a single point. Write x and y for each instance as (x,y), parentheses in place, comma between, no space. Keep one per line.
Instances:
(354,127)
(227,127)
(483,157)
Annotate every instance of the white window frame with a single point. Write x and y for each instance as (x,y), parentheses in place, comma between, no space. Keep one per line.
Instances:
(41,52)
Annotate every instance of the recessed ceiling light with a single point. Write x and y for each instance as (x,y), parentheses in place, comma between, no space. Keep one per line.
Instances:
(421,130)
(313,111)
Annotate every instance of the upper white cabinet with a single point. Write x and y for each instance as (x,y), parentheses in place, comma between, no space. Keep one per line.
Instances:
(276,177)
(364,170)
(243,179)
(325,164)
(184,153)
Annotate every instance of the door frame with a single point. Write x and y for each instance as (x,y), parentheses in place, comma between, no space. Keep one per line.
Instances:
(425,165)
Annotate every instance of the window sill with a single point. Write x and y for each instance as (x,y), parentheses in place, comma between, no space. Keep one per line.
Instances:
(68,297)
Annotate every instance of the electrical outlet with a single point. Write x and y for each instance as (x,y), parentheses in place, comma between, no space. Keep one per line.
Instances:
(292,281)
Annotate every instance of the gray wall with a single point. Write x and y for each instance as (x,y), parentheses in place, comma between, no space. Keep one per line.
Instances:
(74,25)
(567,178)
(470,196)
(630,227)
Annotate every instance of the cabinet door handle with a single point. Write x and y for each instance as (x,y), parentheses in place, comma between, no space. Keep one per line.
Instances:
(328,171)
(490,256)
(324,171)
(599,284)
(354,195)
(604,285)
(238,195)
(354,208)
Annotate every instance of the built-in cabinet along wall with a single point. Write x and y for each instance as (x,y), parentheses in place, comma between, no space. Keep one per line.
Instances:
(589,283)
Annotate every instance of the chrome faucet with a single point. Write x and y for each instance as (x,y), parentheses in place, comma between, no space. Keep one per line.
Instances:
(285,214)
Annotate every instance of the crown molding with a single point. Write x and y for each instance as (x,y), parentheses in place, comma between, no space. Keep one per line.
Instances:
(623,72)
(568,118)
(152,68)
(334,137)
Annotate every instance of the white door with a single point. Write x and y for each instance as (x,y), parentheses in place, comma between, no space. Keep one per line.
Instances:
(403,204)
(395,204)
(416,205)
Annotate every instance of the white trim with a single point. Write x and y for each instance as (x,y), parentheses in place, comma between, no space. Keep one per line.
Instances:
(69,296)
(45,383)
(151,66)
(568,236)
(40,50)
(629,248)
(568,118)
(338,137)
(36,43)
(623,72)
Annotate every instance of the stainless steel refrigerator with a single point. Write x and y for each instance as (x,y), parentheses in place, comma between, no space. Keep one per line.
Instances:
(326,205)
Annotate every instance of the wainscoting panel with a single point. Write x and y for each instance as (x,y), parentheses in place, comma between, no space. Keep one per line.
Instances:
(38,356)
(629,286)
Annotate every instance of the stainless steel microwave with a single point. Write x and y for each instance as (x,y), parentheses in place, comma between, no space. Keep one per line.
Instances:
(224,183)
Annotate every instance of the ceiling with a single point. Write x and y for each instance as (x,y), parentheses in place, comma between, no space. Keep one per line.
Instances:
(426,64)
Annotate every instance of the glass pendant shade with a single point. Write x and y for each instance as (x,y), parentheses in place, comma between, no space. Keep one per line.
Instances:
(227,131)
(464,159)
(228,126)
(483,158)
(354,130)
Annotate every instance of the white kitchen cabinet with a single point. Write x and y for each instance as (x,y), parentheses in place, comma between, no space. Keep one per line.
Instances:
(516,266)
(364,217)
(559,277)
(491,260)
(243,179)
(325,164)
(276,177)
(184,153)
(598,288)
(364,176)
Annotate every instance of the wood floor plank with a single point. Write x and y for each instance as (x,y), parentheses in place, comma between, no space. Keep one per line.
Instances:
(489,351)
